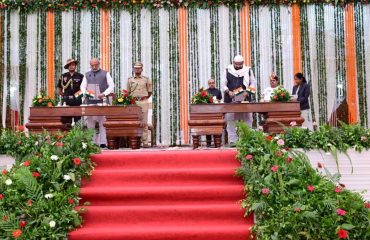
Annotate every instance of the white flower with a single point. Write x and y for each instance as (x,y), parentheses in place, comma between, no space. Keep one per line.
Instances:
(294,123)
(8,182)
(67,177)
(36,143)
(280,142)
(84,145)
(49,195)
(52,224)
(54,157)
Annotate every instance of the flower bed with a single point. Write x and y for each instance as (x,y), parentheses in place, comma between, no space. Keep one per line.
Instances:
(39,194)
(291,200)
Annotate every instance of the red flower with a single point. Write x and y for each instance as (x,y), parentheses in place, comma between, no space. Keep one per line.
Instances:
(269,138)
(249,157)
(297,209)
(125,93)
(17,233)
(338,189)
(275,168)
(20,128)
(19,142)
(279,153)
(342,233)
(58,137)
(310,188)
(289,159)
(22,224)
(204,94)
(4,172)
(287,149)
(341,212)
(132,101)
(5,218)
(210,100)
(342,185)
(27,163)
(367,205)
(59,144)
(36,174)
(29,203)
(319,165)
(1,196)
(275,97)
(70,200)
(265,191)
(77,161)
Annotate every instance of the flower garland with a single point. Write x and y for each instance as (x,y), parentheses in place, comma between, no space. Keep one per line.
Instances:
(136,34)
(76,35)
(43,48)
(361,64)
(234,33)
(95,33)
(22,62)
(321,62)
(64,5)
(193,56)
(156,71)
(215,45)
(115,49)
(58,61)
(173,73)
(8,67)
(306,56)
(276,46)
(340,53)
(2,45)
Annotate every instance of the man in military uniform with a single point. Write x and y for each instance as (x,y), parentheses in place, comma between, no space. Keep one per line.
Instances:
(103,82)
(141,87)
(68,84)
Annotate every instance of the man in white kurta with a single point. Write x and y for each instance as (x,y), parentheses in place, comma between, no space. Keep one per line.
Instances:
(235,76)
(103,83)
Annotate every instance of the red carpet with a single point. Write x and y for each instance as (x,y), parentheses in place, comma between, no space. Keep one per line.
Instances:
(164,195)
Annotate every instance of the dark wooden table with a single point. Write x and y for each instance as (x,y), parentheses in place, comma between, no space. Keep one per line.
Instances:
(120,121)
(208,119)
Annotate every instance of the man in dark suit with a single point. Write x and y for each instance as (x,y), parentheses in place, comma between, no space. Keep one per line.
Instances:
(215,93)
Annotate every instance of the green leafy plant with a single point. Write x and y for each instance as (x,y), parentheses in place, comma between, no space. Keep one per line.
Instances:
(201,97)
(43,100)
(280,94)
(290,199)
(39,194)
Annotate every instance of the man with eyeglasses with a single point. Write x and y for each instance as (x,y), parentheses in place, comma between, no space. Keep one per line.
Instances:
(216,93)
(237,78)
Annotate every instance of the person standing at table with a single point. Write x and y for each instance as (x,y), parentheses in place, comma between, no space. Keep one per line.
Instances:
(268,92)
(237,76)
(216,93)
(102,81)
(140,87)
(69,83)
(301,91)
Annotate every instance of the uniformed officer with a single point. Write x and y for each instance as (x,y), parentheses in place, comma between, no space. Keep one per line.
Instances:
(68,84)
(140,87)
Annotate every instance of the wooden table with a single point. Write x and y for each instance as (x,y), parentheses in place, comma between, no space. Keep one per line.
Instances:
(208,119)
(120,121)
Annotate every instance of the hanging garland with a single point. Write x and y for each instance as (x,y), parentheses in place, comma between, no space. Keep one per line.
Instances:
(193,56)
(115,49)
(234,33)
(340,53)
(95,33)
(361,64)
(215,45)
(321,62)
(156,71)
(8,68)
(276,45)
(22,62)
(58,61)
(306,56)
(2,44)
(41,49)
(76,34)
(174,75)
(136,34)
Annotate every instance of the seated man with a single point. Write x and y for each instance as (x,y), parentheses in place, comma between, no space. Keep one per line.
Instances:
(216,93)
(268,92)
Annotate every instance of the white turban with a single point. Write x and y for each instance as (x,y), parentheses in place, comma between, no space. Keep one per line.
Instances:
(238,58)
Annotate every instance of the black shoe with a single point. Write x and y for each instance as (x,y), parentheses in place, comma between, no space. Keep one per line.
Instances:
(103,146)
